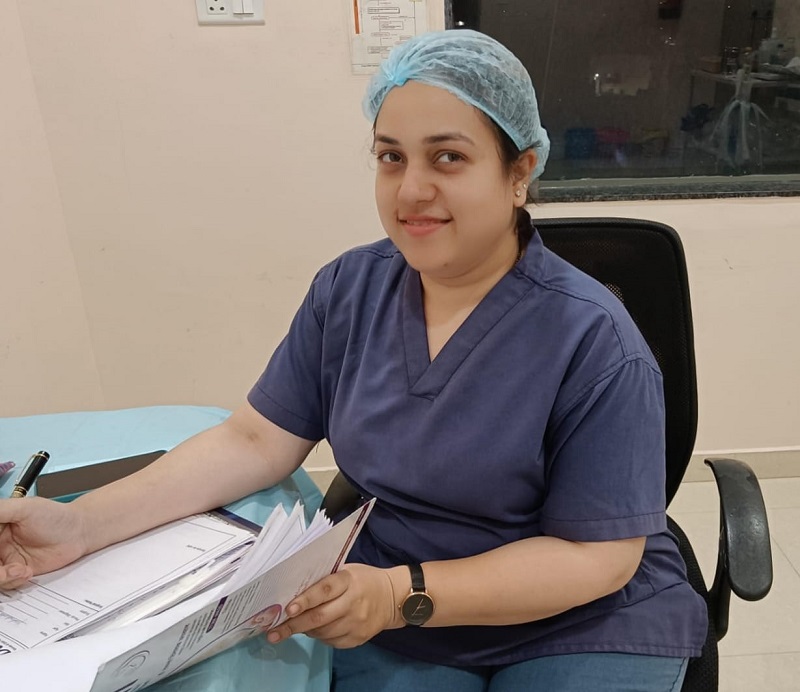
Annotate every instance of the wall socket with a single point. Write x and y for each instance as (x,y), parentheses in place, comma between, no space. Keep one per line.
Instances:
(230,11)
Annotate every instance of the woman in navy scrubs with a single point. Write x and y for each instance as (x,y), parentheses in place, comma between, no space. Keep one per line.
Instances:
(500,406)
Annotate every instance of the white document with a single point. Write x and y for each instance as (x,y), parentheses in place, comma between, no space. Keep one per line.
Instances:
(276,543)
(223,617)
(201,579)
(379,25)
(59,604)
(70,665)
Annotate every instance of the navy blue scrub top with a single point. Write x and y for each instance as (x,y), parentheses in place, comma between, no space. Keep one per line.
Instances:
(542,415)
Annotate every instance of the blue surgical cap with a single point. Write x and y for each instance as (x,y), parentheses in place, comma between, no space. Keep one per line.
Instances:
(476,69)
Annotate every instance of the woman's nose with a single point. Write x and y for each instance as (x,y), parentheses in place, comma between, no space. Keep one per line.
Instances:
(416,185)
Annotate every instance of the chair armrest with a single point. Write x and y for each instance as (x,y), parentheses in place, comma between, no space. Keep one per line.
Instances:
(744,558)
(340,499)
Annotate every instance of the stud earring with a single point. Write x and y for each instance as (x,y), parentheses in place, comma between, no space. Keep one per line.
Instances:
(517,193)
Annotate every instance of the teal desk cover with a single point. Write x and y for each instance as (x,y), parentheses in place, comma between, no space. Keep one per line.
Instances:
(74,439)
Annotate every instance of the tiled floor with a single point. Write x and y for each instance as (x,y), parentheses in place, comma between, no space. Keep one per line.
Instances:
(762,649)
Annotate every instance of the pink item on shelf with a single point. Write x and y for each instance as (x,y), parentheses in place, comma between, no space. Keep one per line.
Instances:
(5,467)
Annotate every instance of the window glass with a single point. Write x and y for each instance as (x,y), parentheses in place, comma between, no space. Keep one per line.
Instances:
(658,97)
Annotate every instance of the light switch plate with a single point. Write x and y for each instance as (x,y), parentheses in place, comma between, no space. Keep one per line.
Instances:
(229,12)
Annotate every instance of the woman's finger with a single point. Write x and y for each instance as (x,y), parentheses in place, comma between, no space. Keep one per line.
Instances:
(313,619)
(333,630)
(338,634)
(325,590)
(14,575)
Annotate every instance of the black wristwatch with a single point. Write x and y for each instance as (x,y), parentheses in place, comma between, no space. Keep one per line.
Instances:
(418,606)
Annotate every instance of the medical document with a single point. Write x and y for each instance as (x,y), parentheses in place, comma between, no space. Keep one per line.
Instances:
(223,616)
(74,634)
(122,576)
(379,25)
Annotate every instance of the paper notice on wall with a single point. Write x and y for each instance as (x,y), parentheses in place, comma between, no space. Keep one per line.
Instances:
(376,26)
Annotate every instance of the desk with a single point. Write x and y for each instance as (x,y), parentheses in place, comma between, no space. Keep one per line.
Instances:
(73,439)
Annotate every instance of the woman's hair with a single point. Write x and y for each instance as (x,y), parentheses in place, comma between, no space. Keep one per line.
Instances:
(509,156)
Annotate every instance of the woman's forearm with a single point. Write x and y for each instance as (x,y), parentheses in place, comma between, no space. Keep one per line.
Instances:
(240,456)
(523,581)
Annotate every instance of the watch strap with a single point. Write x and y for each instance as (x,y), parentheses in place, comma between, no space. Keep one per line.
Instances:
(417,577)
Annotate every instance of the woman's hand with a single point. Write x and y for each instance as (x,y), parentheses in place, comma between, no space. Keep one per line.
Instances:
(37,536)
(344,609)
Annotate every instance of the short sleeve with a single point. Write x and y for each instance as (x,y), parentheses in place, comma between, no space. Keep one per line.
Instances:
(606,463)
(289,391)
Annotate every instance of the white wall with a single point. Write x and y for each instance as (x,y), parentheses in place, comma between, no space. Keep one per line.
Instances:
(167,192)
(46,355)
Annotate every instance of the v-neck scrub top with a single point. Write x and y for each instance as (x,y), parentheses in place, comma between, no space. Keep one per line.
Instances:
(543,415)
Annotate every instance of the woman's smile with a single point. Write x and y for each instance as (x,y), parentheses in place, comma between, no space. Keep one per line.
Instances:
(422,225)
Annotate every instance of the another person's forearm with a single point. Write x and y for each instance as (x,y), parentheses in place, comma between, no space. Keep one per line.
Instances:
(524,581)
(208,470)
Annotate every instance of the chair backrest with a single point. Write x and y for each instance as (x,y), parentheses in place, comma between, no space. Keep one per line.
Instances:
(643,264)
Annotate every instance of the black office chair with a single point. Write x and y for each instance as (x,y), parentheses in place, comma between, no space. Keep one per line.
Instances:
(643,264)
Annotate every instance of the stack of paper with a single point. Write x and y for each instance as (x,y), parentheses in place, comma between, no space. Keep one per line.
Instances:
(238,577)
(223,616)
(108,583)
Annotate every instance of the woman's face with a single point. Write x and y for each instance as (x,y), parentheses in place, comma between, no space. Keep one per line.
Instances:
(443,195)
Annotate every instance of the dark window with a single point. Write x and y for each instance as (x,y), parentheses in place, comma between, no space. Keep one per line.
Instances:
(658,98)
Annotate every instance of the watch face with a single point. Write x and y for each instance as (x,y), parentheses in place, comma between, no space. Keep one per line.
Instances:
(417,608)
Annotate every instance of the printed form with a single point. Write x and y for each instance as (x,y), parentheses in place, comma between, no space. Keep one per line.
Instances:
(222,617)
(379,25)
(286,558)
(56,605)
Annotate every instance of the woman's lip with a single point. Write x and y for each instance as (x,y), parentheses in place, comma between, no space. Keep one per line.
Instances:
(422,226)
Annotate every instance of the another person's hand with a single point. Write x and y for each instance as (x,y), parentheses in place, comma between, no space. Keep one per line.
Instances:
(343,610)
(37,536)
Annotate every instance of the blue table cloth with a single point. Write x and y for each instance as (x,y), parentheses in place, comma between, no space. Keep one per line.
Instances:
(74,439)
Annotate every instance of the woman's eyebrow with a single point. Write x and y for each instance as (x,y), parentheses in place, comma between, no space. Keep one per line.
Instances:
(431,139)
(385,139)
(448,137)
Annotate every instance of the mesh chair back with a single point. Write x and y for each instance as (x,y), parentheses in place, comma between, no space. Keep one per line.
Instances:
(642,263)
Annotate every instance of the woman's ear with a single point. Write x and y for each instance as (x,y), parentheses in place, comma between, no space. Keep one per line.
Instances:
(524,166)
(521,174)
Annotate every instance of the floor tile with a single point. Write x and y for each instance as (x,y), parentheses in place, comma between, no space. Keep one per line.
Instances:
(783,527)
(760,673)
(781,492)
(695,497)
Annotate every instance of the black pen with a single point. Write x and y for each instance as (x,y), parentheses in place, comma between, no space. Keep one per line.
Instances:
(30,474)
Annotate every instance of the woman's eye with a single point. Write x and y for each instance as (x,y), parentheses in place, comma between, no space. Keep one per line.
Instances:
(389,157)
(449,157)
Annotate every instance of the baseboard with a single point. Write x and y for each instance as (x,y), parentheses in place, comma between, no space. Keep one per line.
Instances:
(782,463)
